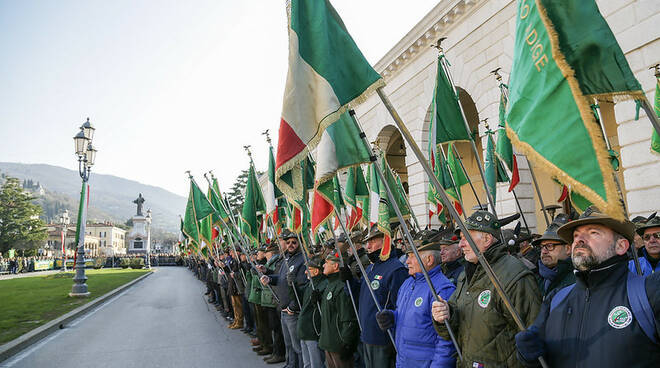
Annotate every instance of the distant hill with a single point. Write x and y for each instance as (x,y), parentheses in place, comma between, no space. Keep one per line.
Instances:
(111,197)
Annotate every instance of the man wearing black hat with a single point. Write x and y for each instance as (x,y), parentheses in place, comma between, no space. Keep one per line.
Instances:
(649,231)
(309,320)
(289,284)
(477,314)
(339,327)
(269,304)
(555,265)
(417,344)
(385,276)
(610,317)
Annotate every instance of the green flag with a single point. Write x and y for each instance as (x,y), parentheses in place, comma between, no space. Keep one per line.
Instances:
(447,122)
(564,55)
(655,138)
(197,208)
(253,205)
(493,169)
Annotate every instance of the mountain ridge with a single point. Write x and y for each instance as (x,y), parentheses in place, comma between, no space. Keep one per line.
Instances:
(110,194)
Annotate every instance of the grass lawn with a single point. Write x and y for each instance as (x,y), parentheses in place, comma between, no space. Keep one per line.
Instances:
(29,302)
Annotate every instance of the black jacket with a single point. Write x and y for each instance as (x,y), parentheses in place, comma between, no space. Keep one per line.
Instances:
(584,331)
(453,269)
(295,264)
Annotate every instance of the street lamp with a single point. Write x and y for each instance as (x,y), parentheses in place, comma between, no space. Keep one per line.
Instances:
(64,220)
(86,155)
(148,218)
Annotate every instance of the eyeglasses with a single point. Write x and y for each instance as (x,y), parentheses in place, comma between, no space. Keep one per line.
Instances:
(292,241)
(550,247)
(648,236)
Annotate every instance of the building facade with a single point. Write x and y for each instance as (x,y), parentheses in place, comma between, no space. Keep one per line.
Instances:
(112,240)
(480,38)
(54,242)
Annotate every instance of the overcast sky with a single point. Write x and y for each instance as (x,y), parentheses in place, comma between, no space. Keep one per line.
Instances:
(169,85)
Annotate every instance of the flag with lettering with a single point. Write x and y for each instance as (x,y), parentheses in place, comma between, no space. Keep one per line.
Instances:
(565,57)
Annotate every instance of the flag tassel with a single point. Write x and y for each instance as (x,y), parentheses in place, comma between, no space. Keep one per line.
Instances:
(452,211)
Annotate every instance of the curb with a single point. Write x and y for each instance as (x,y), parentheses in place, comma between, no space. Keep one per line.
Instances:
(15,346)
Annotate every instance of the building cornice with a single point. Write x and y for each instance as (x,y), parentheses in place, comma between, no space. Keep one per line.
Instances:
(434,25)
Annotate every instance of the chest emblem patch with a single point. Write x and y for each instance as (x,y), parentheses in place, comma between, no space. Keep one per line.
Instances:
(329,296)
(620,317)
(484,298)
(375,284)
(292,268)
(418,301)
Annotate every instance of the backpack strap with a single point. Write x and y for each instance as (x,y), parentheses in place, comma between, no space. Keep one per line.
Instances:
(639,303)
(560,296)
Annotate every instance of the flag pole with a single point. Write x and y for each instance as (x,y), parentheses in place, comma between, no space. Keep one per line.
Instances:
(405,198)
(460,162)
(513,191)
(341,264)
(404,226)
(365,277)
(461,225)
(655,121)
(505,92)
(445,67)
(599,120)
(239,240)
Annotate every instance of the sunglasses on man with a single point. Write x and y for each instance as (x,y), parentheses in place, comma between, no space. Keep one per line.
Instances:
(648,236)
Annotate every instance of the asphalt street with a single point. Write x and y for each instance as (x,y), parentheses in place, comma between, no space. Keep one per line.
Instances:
(162,321)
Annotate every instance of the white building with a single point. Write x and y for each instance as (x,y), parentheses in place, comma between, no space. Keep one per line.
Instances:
(112,240)
(480,38)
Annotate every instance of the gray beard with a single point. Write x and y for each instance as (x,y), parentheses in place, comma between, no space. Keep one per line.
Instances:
(591,261)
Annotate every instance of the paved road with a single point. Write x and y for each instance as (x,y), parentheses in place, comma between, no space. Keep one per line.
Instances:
(162,321)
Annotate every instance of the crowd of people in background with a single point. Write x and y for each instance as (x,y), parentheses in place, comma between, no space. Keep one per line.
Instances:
(574,287)
(16,265)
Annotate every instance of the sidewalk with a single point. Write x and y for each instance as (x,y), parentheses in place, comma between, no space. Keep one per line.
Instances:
(29,274)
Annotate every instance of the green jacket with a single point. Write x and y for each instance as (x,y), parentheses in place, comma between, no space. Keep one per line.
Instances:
(214,274)
(339,327)
(309,319)
(255,288)
(267,298)
(484,328)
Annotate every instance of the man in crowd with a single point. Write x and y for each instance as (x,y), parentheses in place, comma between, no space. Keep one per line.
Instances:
(269,303)
(339,328)
(452,257)
(609,318)
(483,326)
(555,265)
(309,320)
(289,283)
(649,232)
(417,343)
(385,276)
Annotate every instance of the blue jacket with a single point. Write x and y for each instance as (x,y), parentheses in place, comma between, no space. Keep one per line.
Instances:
(644,263)
(385,279)
(417,343)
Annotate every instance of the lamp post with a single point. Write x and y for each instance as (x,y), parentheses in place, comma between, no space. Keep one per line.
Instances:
(86,156)
(148,219)
(64,220)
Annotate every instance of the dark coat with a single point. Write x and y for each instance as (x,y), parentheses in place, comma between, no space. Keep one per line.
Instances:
(579,331)
(385,279)
(292,264)
(309,320)
(453,269)
(339,327)
(560,276)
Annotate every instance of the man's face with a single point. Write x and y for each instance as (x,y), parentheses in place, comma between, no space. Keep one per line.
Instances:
(653,243)
(343,246)
(282,245)
(481,239)
(413,264)
(374,244)
(291,245)
(450,252)
(261,255)
(312,271)
(593,244)
(330,267)
(552,251)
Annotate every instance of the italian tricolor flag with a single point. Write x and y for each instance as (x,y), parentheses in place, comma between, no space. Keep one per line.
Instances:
(327,74)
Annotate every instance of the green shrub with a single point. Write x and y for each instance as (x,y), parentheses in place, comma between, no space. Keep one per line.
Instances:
(98,263)
(125,262)
(137,263)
